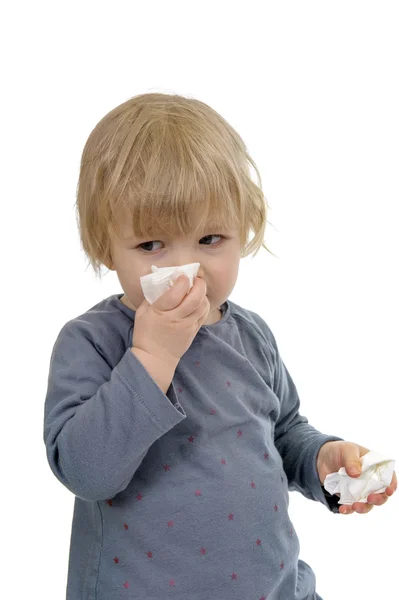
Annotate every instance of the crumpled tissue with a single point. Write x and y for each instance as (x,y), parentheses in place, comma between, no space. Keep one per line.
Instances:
(162,278)
(376,476)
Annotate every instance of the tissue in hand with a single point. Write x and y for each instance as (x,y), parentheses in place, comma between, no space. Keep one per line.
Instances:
(162,278)
(376,476)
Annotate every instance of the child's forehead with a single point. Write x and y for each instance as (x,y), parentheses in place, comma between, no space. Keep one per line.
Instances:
(169,221)
(127,233)
(193,225)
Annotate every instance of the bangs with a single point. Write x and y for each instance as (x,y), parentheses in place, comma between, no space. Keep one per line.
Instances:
(192,208)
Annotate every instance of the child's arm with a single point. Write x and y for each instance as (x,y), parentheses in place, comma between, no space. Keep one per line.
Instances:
(99,422)
(297,442)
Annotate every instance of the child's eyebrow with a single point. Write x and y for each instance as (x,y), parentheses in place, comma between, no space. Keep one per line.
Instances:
(215,229)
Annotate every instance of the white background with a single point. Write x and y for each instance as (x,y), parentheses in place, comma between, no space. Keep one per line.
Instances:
(312,87)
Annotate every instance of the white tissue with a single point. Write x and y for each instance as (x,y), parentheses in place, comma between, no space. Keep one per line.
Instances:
(162,278)
(376,476)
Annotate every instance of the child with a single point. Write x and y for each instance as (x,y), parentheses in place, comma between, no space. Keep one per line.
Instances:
(176,425)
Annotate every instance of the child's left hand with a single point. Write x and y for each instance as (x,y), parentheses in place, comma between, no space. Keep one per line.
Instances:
(336,454)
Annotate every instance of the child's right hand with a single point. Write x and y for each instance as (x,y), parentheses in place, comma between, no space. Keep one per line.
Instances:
(167,327)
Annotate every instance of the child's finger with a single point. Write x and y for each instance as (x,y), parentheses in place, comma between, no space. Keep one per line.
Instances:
(346,510)
(362,507)
(378,499)
(394,483)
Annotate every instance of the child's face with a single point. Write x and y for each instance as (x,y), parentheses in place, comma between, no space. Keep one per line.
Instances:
(219,259)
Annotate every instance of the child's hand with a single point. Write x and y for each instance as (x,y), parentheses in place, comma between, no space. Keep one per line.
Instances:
(334,455)
(167,327)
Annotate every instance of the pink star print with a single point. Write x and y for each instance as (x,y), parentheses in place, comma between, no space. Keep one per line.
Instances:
(223,461)
(149,554)
(266,456)
(109,502)
(228,383)
(213,411)
(126,526)
(197,363)
(263,598)
(172,582)
(198,492)
(234,575)
(253,485)
(258,542)
(203,551)
(116,560)
(275,508)
(282,566)
(166,467)
(191,438)
(170,523)
(139,496)
(126,585)
(179,390)
(231,516)
(239,433)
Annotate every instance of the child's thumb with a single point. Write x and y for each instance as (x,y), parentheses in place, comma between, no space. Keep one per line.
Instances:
(174,294)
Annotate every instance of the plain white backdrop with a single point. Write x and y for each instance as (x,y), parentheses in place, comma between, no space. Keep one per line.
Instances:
(313,89)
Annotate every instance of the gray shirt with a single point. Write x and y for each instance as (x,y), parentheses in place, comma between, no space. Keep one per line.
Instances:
(183,495)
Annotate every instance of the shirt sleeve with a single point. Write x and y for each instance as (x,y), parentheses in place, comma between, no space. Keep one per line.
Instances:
(297,442)
(99,421)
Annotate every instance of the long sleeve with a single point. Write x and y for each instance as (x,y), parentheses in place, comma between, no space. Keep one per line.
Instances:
(298,443)
(99,420)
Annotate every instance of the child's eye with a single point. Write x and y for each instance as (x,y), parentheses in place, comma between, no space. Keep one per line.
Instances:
(145,244)
(147,250)
(211,236)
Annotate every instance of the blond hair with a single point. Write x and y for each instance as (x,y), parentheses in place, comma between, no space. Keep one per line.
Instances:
(152,160)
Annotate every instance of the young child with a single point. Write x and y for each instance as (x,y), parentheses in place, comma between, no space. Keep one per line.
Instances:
(176,424)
